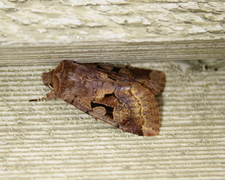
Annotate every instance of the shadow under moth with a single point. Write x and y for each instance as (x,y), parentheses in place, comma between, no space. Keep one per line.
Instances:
(122,96)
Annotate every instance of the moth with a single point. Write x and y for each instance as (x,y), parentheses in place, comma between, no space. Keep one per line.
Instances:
(122,96)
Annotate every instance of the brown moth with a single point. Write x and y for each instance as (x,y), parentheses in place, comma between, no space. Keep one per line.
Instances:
(122,96)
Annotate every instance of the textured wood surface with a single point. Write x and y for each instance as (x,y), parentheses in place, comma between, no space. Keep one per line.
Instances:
(128,31)
(53,140)
(48,140)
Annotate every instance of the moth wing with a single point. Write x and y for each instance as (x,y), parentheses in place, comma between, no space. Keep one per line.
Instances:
(136,110)
(122,97)
(152,79)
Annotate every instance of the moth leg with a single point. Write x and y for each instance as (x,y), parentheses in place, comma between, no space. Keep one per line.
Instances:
(50,86)
(50,95)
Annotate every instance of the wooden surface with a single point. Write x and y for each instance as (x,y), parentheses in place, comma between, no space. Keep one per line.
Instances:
(128,31)
(53,140)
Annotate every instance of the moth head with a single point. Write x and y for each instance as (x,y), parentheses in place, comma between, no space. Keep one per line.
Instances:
(47,79)
(51,78)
